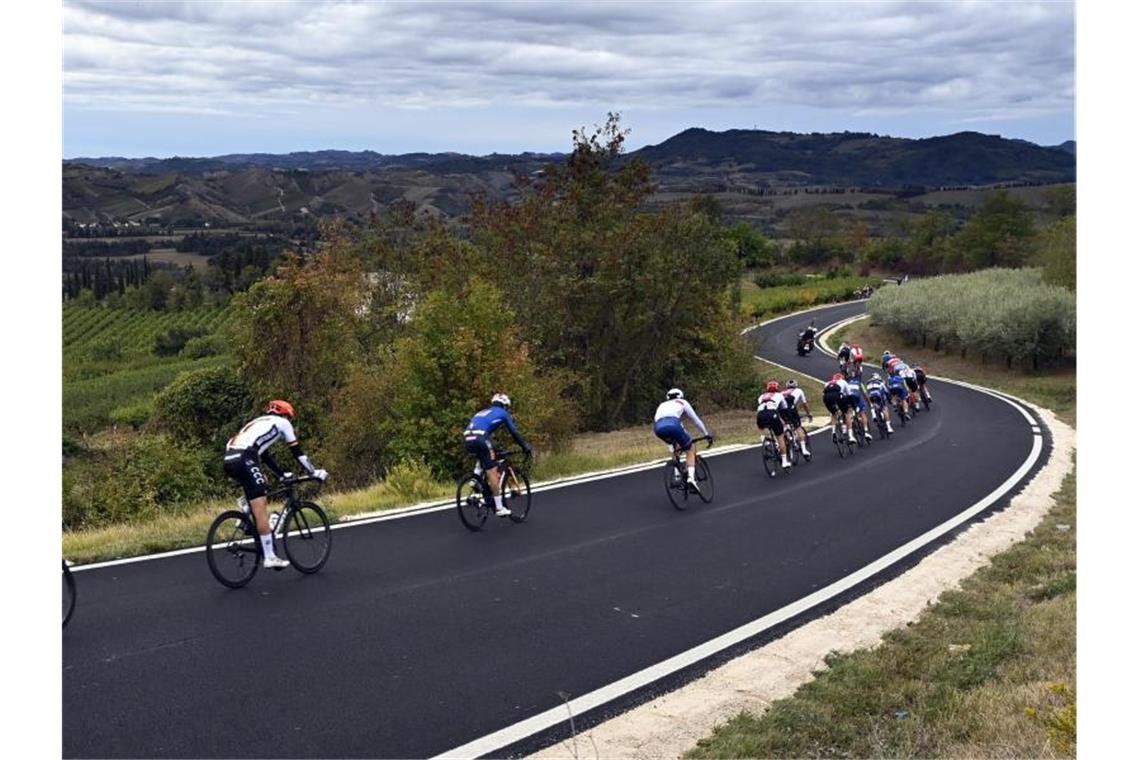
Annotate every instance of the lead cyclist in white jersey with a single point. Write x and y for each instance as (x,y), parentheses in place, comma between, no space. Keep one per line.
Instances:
(667,426)
(244,455)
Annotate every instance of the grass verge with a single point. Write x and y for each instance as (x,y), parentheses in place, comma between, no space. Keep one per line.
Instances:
(989,671)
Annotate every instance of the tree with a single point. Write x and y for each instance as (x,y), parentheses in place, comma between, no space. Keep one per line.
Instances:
(1061,201)
(1057,253)
(998,235)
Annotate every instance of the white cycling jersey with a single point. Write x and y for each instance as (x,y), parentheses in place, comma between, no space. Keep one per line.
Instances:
(771,402)
(795,397)
(678,408)
(262,432)
(843,386)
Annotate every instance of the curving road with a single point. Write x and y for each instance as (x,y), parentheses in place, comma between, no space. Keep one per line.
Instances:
(420,638)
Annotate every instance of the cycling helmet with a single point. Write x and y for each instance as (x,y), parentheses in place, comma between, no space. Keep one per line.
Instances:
(790,384)
(675,393)
(876,376)
(836,377)
(886,355)
(772,387)
(277,406)
(501,399)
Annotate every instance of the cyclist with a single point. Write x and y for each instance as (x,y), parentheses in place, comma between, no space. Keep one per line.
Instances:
(920,378)
(886,359)
(770,408)
(794,397)
(807,338)
(879,397)
(897,387)
(857,406)
(835,398)
(242,461)
(857,359)
(844,356)
(477,441)
(667,426)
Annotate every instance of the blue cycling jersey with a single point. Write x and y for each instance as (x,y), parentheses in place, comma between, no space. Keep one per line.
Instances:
(486,422)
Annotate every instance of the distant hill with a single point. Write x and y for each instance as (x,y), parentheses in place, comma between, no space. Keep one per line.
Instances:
(239,189)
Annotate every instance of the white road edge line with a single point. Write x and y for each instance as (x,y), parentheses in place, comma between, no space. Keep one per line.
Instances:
(518,731)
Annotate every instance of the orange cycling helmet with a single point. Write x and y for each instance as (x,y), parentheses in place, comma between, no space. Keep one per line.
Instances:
(277,406)
(773,386)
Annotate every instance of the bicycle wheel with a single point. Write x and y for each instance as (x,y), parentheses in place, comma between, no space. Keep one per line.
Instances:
(899,415)
(68,593)
(793,448)
(770,456)
(675,485)
(307,536)
(471,502)
(926,399)
(882,425)
(704,480)
(232,549)
(860,433)
(840,441)
(516,494)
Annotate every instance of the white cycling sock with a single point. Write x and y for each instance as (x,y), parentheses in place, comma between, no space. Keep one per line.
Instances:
(693,473)
(267,545)
(499,500)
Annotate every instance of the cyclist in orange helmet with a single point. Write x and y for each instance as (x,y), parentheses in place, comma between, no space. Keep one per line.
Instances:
(244,455)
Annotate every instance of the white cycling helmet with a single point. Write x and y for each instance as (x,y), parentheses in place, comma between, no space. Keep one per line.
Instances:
(675,393)
(501,399)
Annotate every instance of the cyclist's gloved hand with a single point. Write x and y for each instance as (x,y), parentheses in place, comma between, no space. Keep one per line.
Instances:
(321,475)
(528,452)
(287,476)
(711,439)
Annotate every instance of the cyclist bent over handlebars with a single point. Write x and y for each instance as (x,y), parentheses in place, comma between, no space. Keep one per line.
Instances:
(477,442)
(246,452)
(667,426)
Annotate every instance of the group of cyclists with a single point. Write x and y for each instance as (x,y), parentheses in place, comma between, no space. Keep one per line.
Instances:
(845,396)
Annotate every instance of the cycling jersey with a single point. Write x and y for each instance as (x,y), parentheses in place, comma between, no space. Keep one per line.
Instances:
(876,391)
(893,365)
(898,387)
(262,432)
(857,355)
(853,397)
(246,451)
(794,397)
(844,353)
(769,408)
(667,422)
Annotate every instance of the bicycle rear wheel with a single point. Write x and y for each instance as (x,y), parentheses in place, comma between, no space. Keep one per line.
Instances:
(840,441)
(471,502)
(771,457)
(516,494)
(232,549)
(704,480)
(68,593)
(307,537)
(675,485)
(793,448)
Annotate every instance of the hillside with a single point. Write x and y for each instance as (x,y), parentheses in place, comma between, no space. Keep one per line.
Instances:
(240,189)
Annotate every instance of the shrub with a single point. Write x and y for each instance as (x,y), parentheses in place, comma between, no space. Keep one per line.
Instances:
(106,348)
(133,415)
(204,345)
(1004,313)
(773,280)
(146,476)
(204,406)
(171,342)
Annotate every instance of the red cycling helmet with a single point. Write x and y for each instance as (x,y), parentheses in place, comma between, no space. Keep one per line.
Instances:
(836,377)
(773,386)
(277,406)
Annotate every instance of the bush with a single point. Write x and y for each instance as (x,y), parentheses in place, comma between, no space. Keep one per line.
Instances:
(107,348)
(774,280)
(204,345)
(171,342)
(1004,313)
(133,416)
(204,406)
(146,476)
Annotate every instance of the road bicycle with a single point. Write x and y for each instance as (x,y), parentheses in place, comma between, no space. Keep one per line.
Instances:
(839,438)
(676,477)
(233,548)
(68,593)
(861,438)
(896,402)
(880,421)
(474,499)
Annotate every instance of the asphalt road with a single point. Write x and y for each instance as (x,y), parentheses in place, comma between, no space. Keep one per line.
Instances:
(419,636)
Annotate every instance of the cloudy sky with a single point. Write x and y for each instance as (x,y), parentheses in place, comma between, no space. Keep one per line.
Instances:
(206,78)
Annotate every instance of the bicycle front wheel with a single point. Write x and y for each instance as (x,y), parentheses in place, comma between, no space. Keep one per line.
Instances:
(68,593)
(704,480)
(516,494)
(307,537)
(232,549)
(676,486)
(471,502)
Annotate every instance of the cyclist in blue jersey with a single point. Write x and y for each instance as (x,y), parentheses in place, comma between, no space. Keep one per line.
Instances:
(897,387)
(477,441)
(857,406)
(878,395)
(667,426)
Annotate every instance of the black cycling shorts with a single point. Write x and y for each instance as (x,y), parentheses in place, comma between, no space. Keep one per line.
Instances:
(770,419)
(833,399)
(911,383)
(920,376)
(792,417)
(480,447)
(245,467)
